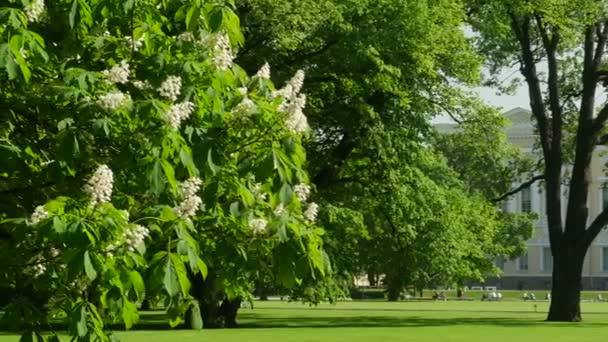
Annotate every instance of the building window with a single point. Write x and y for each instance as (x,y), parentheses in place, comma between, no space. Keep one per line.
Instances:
(526,200)
(547,262)
(500,262)
(522,262)
(605,259)
(504,205)
(604,196)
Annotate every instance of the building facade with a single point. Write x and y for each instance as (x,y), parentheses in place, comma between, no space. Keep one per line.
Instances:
(533,270)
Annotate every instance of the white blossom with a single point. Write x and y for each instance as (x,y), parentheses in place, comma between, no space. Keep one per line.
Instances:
(134,44)
(311,212)
(302,191)
(119,73)
(99,186)
(178,113)
(242,90)
(223,55)
(141,85)
(54,252)
(297,81)
(38,270)
(186,37)
(135,236)
(296,120)
(258,225)
(188,207)
(264,72)
(258,192)
(171,88)
(190,201)
(245,107)
(35,10)
(112,101)
(38,215)
(280,210)
(293,104)
(190,187)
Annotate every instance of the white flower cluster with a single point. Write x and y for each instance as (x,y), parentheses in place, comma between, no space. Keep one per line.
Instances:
(258,192)
(311,212)
(34,10)
(242,90)
(119,73)
(112,101)
(38,215)
(54,252)
(223,56)
(245,107)
(134,44)
(264,72)
(293,103)
(297,122)
(302,191)
(280,210)
(186,37)
(178,113)
(171,87)
(191,202)
(258,225)
(135,237)
(99,186)
(38,270)
(142,85)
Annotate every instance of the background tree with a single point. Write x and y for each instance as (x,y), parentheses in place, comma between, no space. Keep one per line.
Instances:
(378,72)
(568,40)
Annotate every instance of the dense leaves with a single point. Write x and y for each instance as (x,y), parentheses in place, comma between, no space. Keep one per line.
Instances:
(151,163)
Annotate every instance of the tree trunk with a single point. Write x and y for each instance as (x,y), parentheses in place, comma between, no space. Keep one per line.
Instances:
(566,290)
(229,311)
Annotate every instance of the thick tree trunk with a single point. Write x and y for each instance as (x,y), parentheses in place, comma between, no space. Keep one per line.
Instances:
(229,311)
(566,291)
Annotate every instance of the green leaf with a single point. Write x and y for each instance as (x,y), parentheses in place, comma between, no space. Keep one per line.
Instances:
(186,158)
(282,233)
(196,320)
(234,209)
(81,324)
(182,274)
(169,173)
(129,314)
(73,12)
(192,17)
(170,281)
(88,267)
(138,284)
(58,225)
(157,182)
(214,168)
(286,194)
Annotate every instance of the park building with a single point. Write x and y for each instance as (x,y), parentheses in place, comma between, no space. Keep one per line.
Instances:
(533,270)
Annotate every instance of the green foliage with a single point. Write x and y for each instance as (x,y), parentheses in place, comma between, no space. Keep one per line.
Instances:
(183,153)
(379,72)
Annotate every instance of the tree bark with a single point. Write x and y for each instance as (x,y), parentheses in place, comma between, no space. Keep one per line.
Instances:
(229,310)
(566,290)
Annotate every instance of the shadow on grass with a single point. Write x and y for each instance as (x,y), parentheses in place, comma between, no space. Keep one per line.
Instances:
(254,320)
(396,322)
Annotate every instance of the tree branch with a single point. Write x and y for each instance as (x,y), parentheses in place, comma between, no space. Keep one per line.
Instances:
(519,188)
(528,70)
(595,228)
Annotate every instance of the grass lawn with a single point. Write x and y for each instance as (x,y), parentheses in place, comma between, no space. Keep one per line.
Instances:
(382,321)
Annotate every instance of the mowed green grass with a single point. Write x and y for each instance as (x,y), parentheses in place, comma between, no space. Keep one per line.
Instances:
(382,321)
